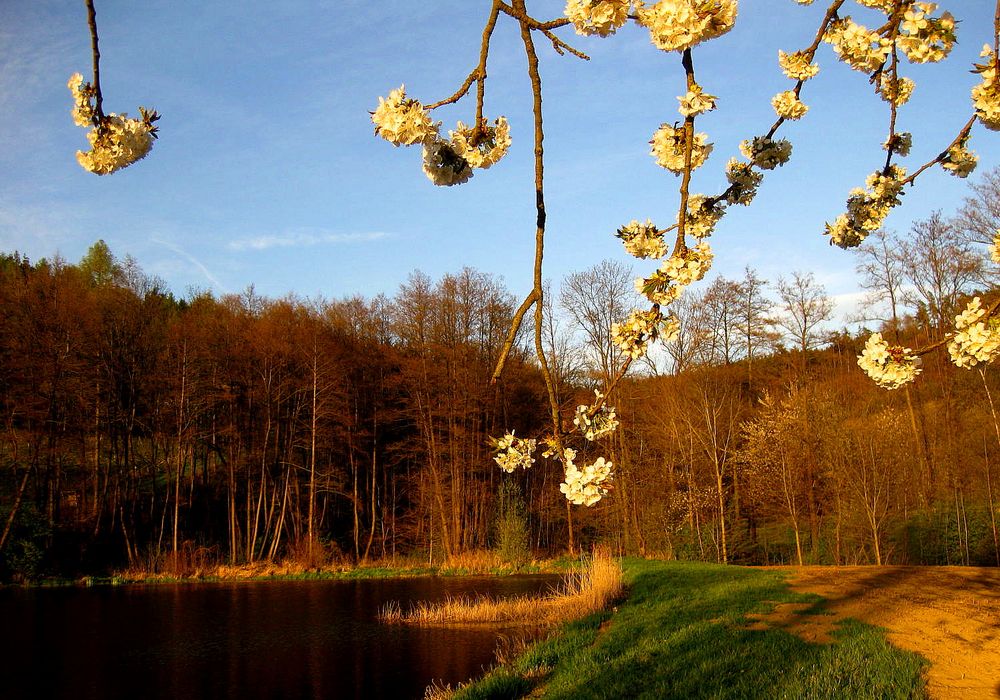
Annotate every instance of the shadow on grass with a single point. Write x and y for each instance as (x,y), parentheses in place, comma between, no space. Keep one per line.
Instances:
(681,633)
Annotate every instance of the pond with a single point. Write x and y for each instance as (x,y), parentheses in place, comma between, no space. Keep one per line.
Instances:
(272,639)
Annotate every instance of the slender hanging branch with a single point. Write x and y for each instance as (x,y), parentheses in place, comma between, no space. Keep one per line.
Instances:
(96,52)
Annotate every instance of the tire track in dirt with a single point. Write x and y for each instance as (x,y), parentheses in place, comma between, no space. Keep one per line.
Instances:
(950,615)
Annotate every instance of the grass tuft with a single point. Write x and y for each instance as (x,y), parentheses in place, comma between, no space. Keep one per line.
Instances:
(579,594)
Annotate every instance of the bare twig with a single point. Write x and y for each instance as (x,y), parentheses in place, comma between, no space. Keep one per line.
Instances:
(962,135)
(478,74)
(98,99)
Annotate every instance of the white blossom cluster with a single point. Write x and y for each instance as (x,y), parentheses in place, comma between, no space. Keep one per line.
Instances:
(668,148)
(788,106)
(83,98)
(677,272)
(901,142)
(797,66)
(514,452)
(959,160)
(923,38)
(586,486)
(642,240)
(702,216)
(402,121)
(986,95)
(895,91)
(405,122)
(743,182)
(696,101)
(600,17)
(481,147)
(859,47)
(641,328)
(976,340)
(116,140)
(994,248)
(443,164)
(676,25)
(883,5)
(765,153)
(867,209)
(889,366)
(603,422)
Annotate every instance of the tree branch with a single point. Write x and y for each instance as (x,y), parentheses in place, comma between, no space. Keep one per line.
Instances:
(96,53)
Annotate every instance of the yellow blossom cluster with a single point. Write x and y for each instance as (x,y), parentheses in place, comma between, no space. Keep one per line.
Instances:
(867,209)
(788,106)
(643,240)
(923,38)
(696,102)
(885,6)
(797,65)
(976,340)
(444,166)
(513,452)
(861,48)
(585,486)
(402,121)
(116,140)
(603,422)
(889,366)
(643,327)
(994,248)
(765,153)
(668,148)
(959,160)
(484,146)
(83,98)
(702,216)
(895,91)
(743,182)
(675,274)
(405,122)
(900,142)
(986,95)
(676,25)
(600,17)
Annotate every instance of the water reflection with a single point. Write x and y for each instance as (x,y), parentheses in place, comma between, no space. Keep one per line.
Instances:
(308,639)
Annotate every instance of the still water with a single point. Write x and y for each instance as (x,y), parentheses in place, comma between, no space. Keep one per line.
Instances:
(289,639)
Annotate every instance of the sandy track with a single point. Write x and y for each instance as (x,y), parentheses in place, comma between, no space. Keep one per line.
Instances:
(950,615)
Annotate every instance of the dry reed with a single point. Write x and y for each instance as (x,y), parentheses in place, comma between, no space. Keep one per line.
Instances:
(580,593)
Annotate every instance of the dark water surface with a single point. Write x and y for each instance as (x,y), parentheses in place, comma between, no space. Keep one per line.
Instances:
(287,639)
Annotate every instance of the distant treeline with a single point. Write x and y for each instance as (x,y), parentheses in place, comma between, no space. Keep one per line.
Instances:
(144,431)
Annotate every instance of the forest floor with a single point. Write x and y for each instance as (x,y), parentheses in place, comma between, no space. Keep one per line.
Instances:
(950,615)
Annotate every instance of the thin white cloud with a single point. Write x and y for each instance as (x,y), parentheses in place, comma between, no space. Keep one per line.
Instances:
(303,240)
(194,261)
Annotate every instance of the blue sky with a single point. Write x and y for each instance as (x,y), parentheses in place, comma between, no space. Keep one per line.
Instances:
(267,172)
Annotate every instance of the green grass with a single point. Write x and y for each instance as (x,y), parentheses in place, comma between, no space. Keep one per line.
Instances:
(680,634)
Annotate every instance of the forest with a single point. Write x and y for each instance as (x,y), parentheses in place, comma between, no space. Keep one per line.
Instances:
(169,434)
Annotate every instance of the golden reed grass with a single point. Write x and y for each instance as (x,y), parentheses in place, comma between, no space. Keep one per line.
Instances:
(579,594)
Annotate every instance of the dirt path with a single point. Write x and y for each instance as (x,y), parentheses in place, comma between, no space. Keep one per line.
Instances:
(950,615)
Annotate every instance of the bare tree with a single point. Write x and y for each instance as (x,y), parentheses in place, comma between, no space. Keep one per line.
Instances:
(754,320)
(686,347)
(803,307)
(595,299)
(721,309)
(979,217)
(881,267)
(940,266)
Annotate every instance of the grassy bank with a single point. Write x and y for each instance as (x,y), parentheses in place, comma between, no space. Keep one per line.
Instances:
(682,632)
(475,563)
(582,592)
